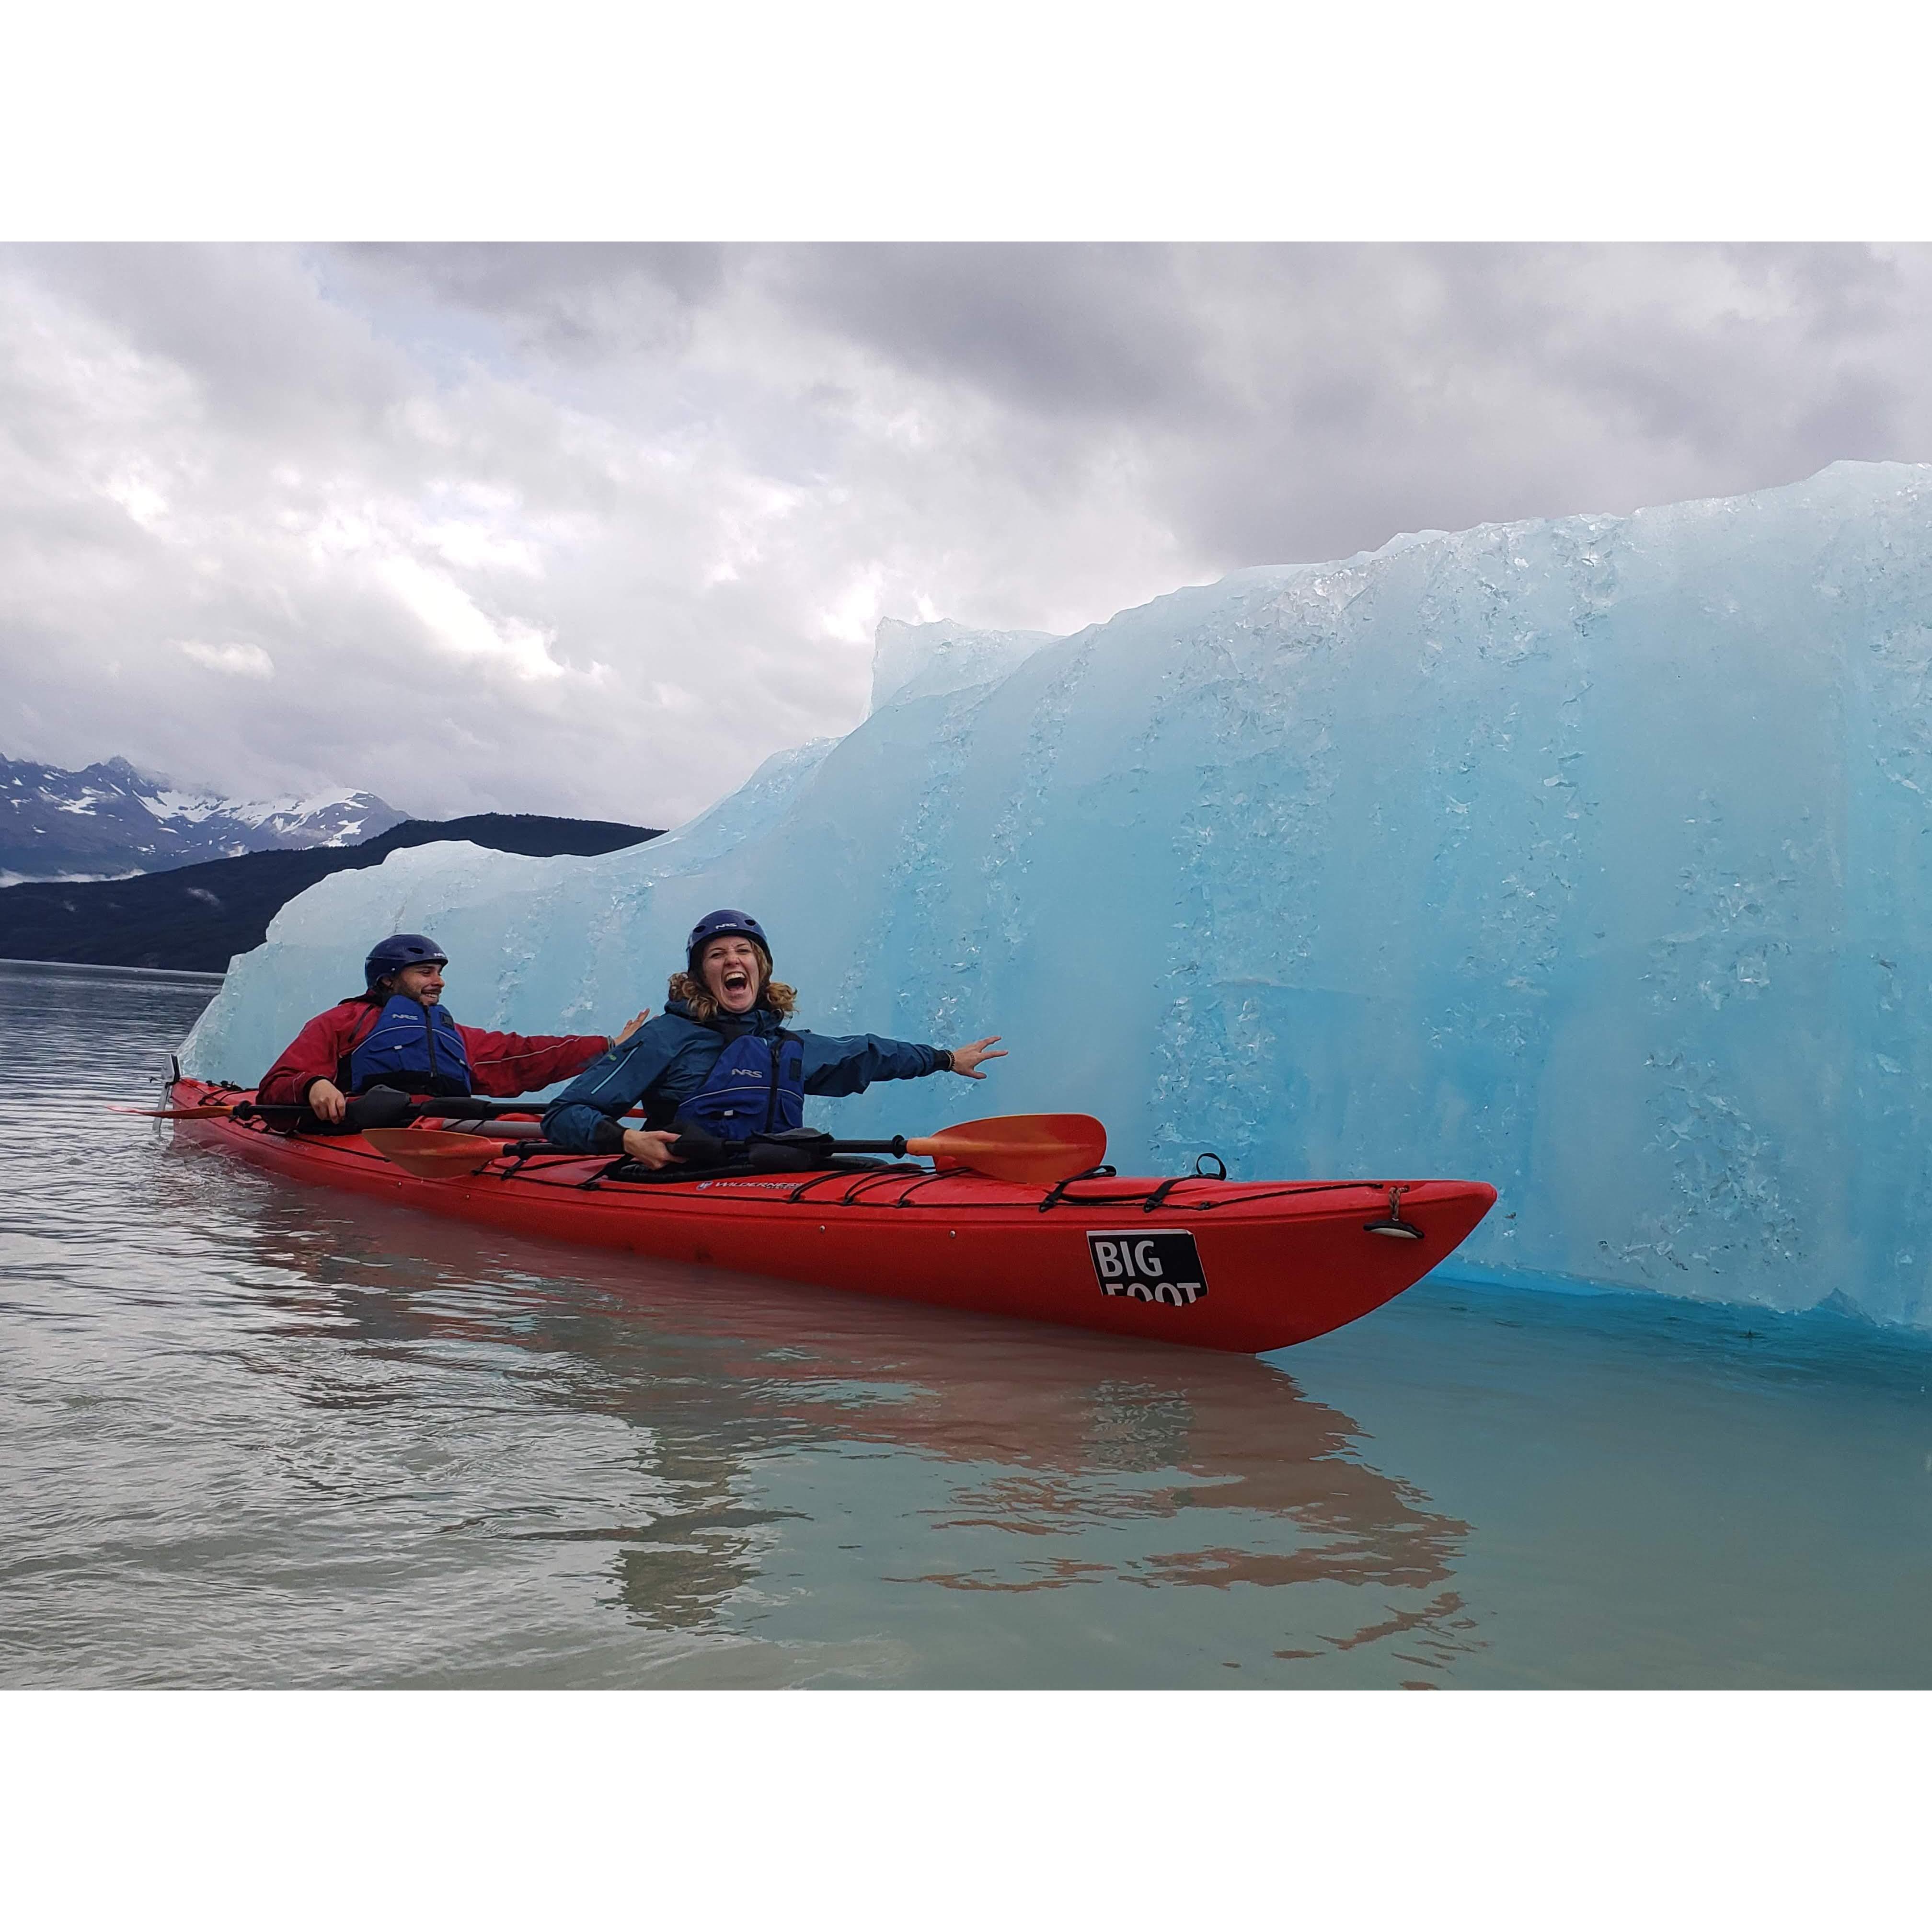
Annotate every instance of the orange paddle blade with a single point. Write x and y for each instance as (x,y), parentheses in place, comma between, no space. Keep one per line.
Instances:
(174,1113)
(431,1155)
(1037,1149)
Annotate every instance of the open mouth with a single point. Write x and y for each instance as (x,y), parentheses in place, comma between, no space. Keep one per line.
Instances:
(737,980)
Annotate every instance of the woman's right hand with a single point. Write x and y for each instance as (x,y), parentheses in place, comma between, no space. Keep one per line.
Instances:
(648,1150)
(328,1101)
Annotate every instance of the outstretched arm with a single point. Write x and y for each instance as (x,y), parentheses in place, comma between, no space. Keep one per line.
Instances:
(505,1063)
(966,1059)
(838,1066)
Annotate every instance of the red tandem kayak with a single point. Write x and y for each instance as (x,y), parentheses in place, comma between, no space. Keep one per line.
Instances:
(1241,1265)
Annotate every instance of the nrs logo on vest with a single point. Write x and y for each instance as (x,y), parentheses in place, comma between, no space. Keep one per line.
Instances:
(1149,1264)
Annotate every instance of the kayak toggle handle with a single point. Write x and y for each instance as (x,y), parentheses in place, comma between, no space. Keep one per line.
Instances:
(1392,1224)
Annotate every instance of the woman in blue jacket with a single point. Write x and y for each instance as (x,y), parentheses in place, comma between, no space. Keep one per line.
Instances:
(720,1063)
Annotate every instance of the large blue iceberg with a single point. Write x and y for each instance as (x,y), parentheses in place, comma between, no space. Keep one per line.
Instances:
(1591,857)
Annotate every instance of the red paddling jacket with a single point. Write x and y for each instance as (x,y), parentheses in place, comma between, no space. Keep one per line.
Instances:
(500,1063)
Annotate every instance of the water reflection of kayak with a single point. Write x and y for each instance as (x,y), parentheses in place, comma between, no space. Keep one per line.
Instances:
(1059,1460)
(1240,1265)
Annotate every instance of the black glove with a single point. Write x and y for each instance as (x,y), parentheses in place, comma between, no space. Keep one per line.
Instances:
(795,1151)
(380,1107)
(698,1147)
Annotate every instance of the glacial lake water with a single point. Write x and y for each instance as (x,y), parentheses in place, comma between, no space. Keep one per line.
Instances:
(252,1434)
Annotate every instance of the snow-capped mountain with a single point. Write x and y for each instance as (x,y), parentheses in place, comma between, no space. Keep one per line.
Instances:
(110,820)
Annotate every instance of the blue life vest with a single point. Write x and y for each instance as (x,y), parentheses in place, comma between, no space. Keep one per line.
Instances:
(757,1087)
(413,1047)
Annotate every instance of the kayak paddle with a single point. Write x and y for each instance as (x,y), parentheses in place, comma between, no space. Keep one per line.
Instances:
(402,1108)
(430,1108)
(208,1113)
(432,1156)
(1036,1150)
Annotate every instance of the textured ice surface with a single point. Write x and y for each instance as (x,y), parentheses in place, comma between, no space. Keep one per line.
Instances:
(1591,857)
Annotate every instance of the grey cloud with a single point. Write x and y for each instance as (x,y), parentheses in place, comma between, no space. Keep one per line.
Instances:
(597,529)
(1090,331)
(577,302)
(245,327)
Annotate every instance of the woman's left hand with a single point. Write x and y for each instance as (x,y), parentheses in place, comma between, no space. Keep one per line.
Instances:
(966,1059)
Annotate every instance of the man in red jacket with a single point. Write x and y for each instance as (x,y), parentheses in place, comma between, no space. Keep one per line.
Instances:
(396,1035)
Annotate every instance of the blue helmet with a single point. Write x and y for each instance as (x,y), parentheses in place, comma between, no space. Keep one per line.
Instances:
(400,950)
(726,925)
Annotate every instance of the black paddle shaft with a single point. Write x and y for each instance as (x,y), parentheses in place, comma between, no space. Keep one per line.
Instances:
(804,1147)
(445,1107)
(385,1107)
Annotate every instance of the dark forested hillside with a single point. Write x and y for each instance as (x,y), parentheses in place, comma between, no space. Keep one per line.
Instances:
(196,918)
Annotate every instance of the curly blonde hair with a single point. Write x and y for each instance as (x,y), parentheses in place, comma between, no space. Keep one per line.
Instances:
(702,1007)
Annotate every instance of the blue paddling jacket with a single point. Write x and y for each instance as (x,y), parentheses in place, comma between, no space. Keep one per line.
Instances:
(669,1061)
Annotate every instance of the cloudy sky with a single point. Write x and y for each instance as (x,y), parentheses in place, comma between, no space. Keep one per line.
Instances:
(595,529)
